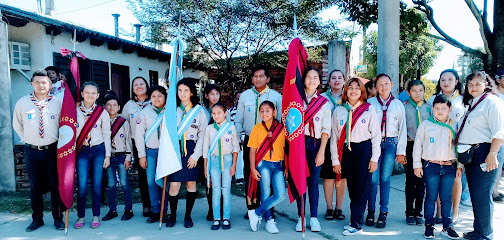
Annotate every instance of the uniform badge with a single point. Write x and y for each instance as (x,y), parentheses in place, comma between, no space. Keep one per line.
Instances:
(139,121)
(363,121)
(132,115)
(317,118)
(192,136)
(194,121)
(95,126)
(341,122)
(249,109)
(395,118)
(229,131)
(227,139)
(431,140)
(457,115)
(122,135)
(29,116)
(53,117)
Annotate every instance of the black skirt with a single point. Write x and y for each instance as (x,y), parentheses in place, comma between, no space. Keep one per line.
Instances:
(327,169)
(186,174)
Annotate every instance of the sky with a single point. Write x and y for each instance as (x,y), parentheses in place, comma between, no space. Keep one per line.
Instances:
(453,16)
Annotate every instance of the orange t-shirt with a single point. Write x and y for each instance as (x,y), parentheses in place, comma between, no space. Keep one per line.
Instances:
(258,135)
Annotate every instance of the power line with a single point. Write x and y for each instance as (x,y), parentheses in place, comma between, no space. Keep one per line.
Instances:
(86,7)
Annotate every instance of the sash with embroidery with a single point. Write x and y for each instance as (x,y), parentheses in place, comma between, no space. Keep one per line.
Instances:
(186,122)
(154,127)
(88,126)
(343,135)
(276,130)
(116,126)
(313,108)
(215,141)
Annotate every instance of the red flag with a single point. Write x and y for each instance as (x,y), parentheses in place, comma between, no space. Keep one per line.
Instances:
(74,67)
(66,148)
(293,117)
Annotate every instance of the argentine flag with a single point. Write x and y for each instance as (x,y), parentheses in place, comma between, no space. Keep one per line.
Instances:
(169,160)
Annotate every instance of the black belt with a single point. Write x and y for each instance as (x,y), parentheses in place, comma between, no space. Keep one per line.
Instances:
(41,148)
(115,154)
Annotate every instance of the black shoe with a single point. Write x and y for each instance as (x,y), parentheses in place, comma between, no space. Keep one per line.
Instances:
(59,225)
(146,212)
(429,232)
(154,217)
(35,225)
(382,220)
(499,198)
(209,216)
(338,214)
(245,216)
(127,215)
(450,233)
(410,220)
(370,218)
(171,221)
(188,223)
(226,224)
(419,220)
(329,214)
(469,235)
(439,220)
(215,225)
(110,215)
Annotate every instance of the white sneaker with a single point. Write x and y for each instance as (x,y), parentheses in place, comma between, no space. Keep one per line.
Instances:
(253,220)
(350,231)
(271,226)
(315,225)
(346,227)
(299,227)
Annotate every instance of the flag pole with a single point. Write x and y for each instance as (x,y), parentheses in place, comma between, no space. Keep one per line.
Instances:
(162,204)
(295,27)
(303,225)
(66,222)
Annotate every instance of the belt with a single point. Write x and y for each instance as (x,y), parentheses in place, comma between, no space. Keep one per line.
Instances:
(115,154)
(442,163)
(42,148)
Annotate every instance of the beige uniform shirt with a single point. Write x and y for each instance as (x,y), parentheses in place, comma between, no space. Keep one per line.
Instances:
(367,127)
(245,119)
(485,122)
(411,117)
(144,120)
(336,98)
(26,121)
(321,120)
(122,140)
(396,122)
(196,131)
(100,132)
(432,142)
(230,140)
(458,108)
(130,112)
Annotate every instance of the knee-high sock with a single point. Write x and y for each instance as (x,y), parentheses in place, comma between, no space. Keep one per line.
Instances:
(173,206)
(191,197)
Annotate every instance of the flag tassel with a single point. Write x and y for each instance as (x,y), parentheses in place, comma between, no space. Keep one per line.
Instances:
(162,204)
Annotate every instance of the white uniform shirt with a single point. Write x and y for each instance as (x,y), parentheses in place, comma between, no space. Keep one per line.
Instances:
(321,120)
(336,98)
(458,108)
(230,140)
(396,122)
(130,112)
(432,142)
(411,117)
(26,121)
(367,127)
(196,131)
(100,132)
(245,119)
(144,120)
(122,140)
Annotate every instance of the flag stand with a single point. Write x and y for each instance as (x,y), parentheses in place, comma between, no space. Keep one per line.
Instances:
(66,222)
(161,213)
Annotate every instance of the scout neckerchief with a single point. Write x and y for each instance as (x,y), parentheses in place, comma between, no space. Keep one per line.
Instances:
(217,141)
(417,108)
(384,109)
(258,101)
(208,114)
(267,144)
(454,95)
(467,115)
(156,125)
(452,136)
(117,123)
(188,116)
(348,128)
(330,97)
(40,105)
(140,103)
(313,106)
(90,118)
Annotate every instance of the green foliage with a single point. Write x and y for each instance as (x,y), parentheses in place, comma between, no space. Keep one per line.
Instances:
(469,64)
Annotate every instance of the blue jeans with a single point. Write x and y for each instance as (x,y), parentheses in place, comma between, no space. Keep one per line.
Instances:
(383,172)
(271,174)
(312,148)
(221,185)
(438,180)
(90,157)
(481,185)
(155,191)
(117,165)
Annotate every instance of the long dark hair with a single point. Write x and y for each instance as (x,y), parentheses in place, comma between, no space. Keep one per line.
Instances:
(457,87)
(133,95)
(271,105)
(327,85)
(490,88)
(191,84)
(207,90)
(310,68)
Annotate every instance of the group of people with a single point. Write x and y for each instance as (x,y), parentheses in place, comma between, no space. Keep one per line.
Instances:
(355,134)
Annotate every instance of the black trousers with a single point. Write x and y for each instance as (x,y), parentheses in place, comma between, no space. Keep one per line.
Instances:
(415,188)
(42,169)
(354,167)
(246,175)
(142,178)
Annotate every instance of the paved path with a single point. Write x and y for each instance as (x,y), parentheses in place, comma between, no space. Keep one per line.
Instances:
(12,226)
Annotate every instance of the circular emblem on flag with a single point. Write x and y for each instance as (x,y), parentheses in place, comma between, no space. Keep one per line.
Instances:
(294,120)
(227,139)
(383,108)
(317,118)
(53,117)
(122,135)
(66,135)
(363,121)
(139,121)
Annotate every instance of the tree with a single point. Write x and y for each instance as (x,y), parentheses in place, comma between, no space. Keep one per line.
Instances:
(492,52)
(220,31)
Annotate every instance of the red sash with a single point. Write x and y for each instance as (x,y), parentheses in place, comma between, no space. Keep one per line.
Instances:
(341,141)
(276,129)
(313,108)
(116,126)
(88,126)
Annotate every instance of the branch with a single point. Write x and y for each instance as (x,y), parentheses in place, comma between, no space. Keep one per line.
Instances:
(456,44)
(485,31)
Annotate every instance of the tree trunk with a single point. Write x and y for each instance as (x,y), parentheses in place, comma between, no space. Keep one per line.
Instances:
(497,47)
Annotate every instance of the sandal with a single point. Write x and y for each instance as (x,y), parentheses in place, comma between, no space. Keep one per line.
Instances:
(338,214)
(329,215)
